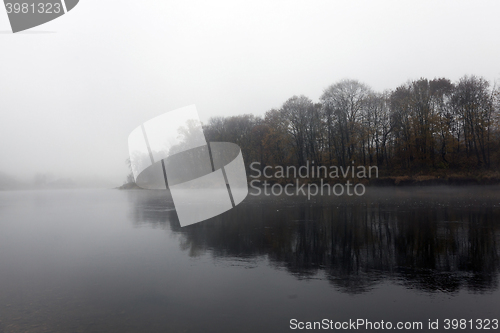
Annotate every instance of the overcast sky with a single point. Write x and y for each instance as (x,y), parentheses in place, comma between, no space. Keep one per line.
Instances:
(73,89)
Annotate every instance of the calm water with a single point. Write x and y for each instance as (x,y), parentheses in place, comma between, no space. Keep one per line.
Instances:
(118,261)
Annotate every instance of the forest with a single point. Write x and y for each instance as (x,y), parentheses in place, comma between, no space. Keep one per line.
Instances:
(423,127)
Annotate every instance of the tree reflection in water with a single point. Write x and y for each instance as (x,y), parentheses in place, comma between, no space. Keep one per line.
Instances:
(431,239)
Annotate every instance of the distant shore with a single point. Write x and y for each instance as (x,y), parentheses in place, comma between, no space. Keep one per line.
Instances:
(433,180)
(129,186)
(417,180)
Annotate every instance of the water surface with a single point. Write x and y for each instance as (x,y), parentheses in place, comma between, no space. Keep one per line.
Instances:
(118,261)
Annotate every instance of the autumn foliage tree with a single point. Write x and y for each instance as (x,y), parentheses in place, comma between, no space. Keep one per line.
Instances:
(421,126)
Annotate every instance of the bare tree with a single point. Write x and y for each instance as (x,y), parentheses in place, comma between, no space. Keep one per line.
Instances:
(343,104)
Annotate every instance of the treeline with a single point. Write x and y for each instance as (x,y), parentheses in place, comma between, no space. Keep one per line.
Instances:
(420,127)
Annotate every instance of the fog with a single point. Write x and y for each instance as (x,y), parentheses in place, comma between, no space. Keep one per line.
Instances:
(73,89)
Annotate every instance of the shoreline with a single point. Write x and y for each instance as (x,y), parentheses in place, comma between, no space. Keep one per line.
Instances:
(389,181)
(433,181)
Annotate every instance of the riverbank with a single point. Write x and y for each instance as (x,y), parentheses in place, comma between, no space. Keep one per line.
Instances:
(416,180)
(129,186)
(485,178)
(459,180)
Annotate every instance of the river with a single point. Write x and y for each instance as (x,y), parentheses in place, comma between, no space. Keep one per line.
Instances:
(118,261)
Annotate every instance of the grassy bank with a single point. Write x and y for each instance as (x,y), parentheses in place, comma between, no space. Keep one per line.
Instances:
(484,178)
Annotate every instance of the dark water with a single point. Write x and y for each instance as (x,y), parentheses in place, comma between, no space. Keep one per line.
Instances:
(118,261)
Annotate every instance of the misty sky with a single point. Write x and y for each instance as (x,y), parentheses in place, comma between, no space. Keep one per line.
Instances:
(69,97)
